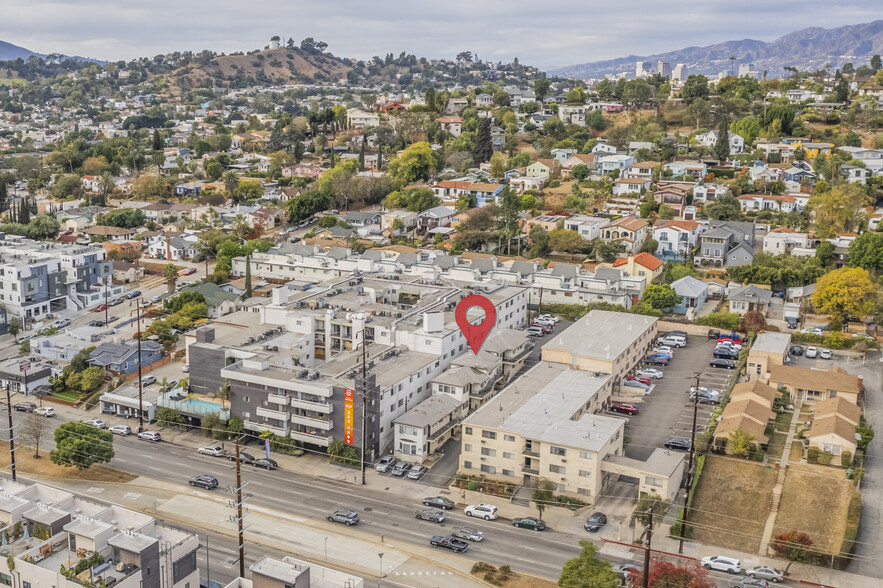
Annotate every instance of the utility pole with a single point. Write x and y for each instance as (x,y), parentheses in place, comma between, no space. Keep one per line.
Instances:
(240,529)
(540,307)
(106,295)
(140,385)
(649,536)
(690,467)
(364,395)
(11,437)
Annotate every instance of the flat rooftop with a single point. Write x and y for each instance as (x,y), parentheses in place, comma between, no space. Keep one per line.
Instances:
(601,334)
(772,342)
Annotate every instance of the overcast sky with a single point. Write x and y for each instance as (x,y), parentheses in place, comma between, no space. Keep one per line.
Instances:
(547,35)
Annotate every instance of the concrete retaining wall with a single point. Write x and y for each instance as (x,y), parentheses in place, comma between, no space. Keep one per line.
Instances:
(505,508)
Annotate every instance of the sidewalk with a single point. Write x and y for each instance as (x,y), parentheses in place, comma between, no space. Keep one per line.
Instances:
(349,549)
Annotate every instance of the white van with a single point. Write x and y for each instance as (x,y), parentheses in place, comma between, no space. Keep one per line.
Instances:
(673,341)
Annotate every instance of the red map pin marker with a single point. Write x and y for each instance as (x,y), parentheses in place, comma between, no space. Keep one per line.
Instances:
(476,334)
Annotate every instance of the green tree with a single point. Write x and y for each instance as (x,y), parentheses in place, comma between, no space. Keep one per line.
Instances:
(660,296)
(170,275)
(567,241)
(539,241)
(543,496)
(722,146)
(725,207)
(694,88)
(80,445)
(876,63)
(825,252)
(866,251)
(637,93)
(214,170)
(415,163)
(498,166)
(43,228)
(579,172)
(541,88)
(588,570)
(554,127)
(740,443)
(231,184)
(605,89)
(748,128)
(576,96)
(650,246)
(846,292)
(484,148)
(839,210)
(247,292)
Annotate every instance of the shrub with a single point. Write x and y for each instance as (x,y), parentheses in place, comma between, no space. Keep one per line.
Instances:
(473,485)
(825,458)
(812,455)
(846,459)
(721,320)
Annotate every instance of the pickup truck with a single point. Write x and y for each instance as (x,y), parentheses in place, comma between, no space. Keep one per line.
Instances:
(449,542)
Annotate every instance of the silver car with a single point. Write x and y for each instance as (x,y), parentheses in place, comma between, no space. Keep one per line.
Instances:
(468,533)
(385,464)
(767,573)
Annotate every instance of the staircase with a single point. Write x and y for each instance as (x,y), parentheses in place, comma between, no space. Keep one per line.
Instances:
(776,496)
(522,495)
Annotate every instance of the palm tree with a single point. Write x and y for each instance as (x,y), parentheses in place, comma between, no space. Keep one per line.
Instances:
(170,273)
(240,226)
(231,184)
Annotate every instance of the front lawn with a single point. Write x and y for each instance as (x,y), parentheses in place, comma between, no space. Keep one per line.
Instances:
(66,396)
(776,446)
(783,421)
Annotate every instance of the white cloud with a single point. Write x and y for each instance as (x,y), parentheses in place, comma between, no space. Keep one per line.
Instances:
(556,34)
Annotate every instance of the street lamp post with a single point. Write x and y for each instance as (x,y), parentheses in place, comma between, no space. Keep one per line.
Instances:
(137,302)
(208,555)
(380,555)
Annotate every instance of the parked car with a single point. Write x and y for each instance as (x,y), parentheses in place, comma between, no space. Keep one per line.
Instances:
(550,317)
(431,514)
(595,521)
(112,319)
(185,368)
(469,533)
(663,349)
(417,471)
(439,502)
(343,515)
(170,385)
(624,407)
(485,511)
(133,294)
(61,323)
(189,271)
(449,542)
(544,321)
(796,350)
(722,363)
(148,380)
(401,468)
(244,457)
(678,443)
(532,523)
(204,481)
(864,336)
(636,384)
(722,563)
(535,332)
(714,334)
(825,353)
(664,356)
(385,463)
(25,407)
(723,354)
(100,308)
(266,463)
(650,373)
(150,436)
(145,302)
(767,573)
(546,329)
(97,423)
(121,430)
(730,337)
(753,583)
(116,301)
(214,451)
(95,324)
(155,299)
(660,361)
(673,341)
(642,379)
(813,331)
(45,411)
(812,352)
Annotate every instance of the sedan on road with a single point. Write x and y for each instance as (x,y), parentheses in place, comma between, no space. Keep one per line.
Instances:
(214,451)
(266,463)
(95,324)
(728,364)
(430,514)
(343,515)
(595,521)
(678,443)
(767,573)
(469,533)
(722,563)
(45,411)
(133,294)
(244,457)
(25,407)
(97,423)
(449,542)
(112,319)
(532,523)
(150,436)
(190,271)
(439,502)
(121,430)
(204,481)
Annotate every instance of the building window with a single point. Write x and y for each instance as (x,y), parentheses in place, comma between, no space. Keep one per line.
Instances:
(467,465)
(584,491)
(507,455)
(832,449)
(559,487)
(468,430)
(509,473)
(585,455)
(488,469)
(585,474)
(508,437)
(489,452)
(557,451)
(651,481)
(6,579)
(557,469)
(489,434)
(468,447)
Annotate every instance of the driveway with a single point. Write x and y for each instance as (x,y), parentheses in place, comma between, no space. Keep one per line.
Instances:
(667,410)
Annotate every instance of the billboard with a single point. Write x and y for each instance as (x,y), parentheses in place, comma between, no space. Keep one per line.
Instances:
(348,416)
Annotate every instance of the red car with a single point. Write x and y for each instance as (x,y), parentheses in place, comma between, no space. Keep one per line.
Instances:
(735,340)
(190,271)
(101,308)
(641,379)
(624,407)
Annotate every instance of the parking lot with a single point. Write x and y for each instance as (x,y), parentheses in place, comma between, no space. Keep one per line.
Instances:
(667,411)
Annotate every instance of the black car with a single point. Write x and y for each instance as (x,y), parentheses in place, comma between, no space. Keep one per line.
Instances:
(532,523)
(656,361)
(266,463)
(449,542)
(243,457)
(678,443)
(796,350)
(722,363)
(439,502)
(204,481)
(25,407)
(725,354)
(95,324)
(714,334)
(595,522)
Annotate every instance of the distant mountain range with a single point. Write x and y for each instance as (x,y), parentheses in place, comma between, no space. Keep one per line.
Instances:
(8,52)
(807,49)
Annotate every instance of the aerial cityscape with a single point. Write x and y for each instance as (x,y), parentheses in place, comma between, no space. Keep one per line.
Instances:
(410,298)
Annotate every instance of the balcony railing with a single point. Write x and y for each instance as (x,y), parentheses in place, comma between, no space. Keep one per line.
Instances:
(278,399)
(325,424)
(260,427)
(321,407)
(314,438)
(529,470)
(272,414)
(530,452)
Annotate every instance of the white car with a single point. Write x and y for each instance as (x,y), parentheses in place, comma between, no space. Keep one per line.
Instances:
(97,423)
(813,331)
(485,511)
(61,323)
(672,342)
(185,368)
(825,354)
(150,436)
(663,349)
(121,430)
(812,352)
(650,373)
(550,317)
(722,563)
(213,451)
(544,321)
(704,390)
(45,411)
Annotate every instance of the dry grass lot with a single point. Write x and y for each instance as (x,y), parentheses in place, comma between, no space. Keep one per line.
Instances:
(732,503)
(808,491)
(776,446)
(26,465)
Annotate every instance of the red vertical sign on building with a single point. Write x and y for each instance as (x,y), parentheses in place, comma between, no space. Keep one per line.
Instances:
(348,417)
